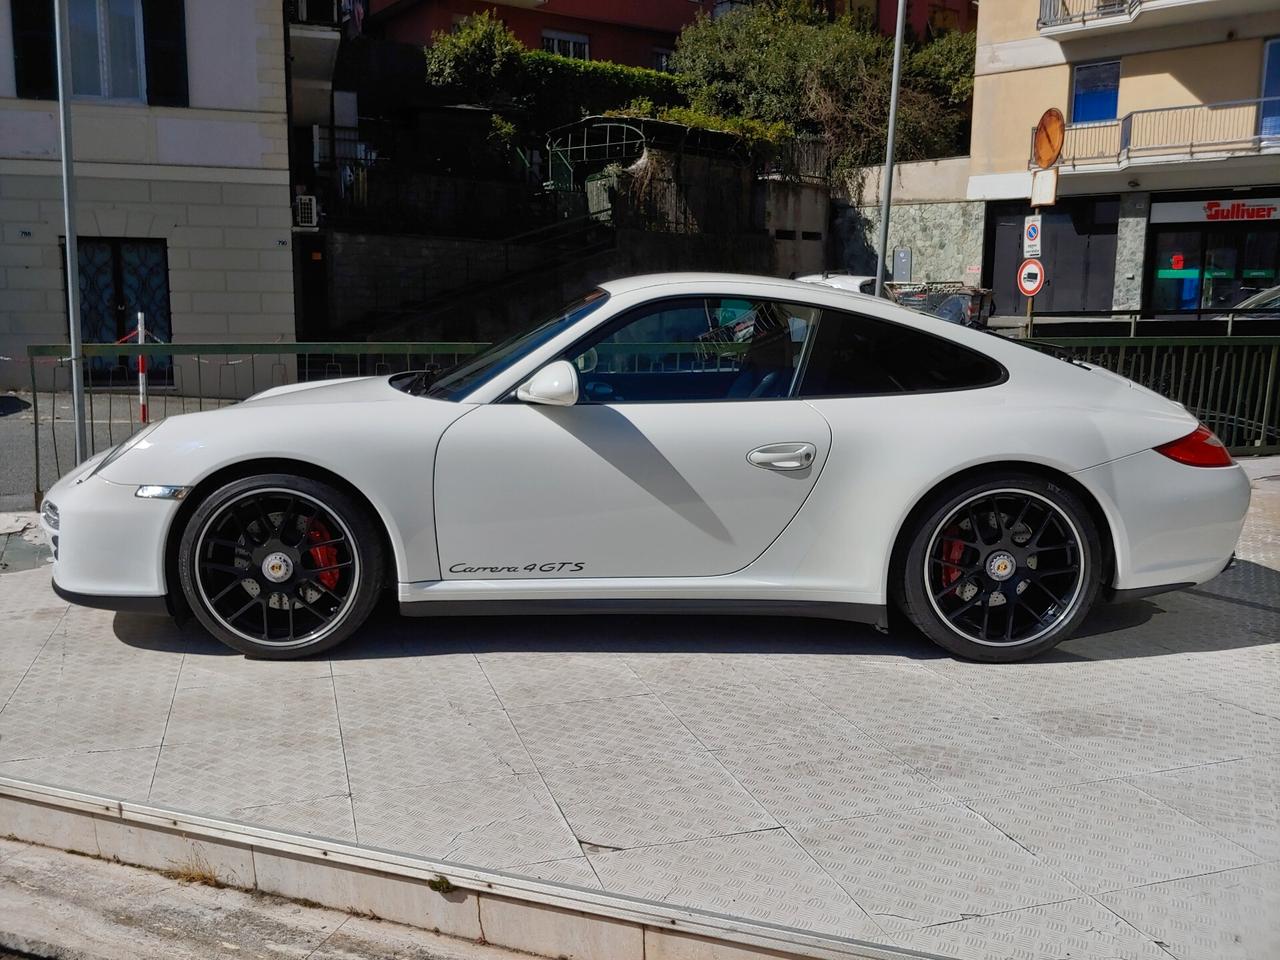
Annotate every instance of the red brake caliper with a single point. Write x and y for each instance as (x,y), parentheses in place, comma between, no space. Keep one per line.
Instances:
(952,551)
(322,557)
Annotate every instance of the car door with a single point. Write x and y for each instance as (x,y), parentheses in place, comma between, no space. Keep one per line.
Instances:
(685,456)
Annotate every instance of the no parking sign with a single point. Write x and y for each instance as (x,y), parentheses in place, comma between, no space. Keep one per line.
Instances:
(1031,236)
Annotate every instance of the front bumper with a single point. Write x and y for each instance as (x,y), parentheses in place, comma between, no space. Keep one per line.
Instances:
(109,545)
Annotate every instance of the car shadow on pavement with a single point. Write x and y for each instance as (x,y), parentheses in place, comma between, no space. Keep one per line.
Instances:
(9,404)
(1239,608)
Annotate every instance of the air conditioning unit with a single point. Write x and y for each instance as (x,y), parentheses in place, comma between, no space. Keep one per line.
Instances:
(306,211)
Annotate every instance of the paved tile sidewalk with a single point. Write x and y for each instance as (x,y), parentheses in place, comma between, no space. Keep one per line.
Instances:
(1118,798)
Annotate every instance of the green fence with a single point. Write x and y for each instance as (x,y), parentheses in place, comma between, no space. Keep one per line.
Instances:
(1232,384)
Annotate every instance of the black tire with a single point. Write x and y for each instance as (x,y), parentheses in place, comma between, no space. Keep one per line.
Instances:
(301,561)
(1020,536)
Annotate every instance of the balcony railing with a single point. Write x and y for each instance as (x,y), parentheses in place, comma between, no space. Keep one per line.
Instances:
(1238,127)
(1054,13)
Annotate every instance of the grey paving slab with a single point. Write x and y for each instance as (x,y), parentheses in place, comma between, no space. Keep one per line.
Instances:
(1107,836)
(760,876)
(1142,734)
(640,803)
(1113,795)
(329,817)
(601,731)
(485,823)
(519,683)
(931,865)
(115,773)
(220,776)
(1075,929)
(1220,916)
(1238,799)
(809,781)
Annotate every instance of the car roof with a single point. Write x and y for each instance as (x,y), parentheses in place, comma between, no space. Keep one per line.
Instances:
(651,280)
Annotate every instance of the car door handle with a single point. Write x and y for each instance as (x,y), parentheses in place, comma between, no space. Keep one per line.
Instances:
(783,456)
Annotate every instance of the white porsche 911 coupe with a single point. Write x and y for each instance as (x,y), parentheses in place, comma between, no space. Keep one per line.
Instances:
(682,442)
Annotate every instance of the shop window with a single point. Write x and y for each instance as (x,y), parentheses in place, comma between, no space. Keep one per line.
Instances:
(1175,283)
(577,46)
(1095,92)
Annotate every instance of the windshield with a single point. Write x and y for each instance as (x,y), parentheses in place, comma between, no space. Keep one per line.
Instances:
(462,379)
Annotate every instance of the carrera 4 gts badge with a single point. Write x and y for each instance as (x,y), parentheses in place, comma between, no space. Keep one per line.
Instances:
(555,566)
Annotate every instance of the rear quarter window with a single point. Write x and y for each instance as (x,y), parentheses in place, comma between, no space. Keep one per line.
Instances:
(853,355)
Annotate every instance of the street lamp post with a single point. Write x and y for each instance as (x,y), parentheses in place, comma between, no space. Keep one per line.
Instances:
(63,36)
(886,180)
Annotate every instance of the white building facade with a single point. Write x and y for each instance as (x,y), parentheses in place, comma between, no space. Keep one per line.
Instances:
(180,136)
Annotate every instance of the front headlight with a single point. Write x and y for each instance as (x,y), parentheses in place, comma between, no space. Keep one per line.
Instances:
(119,451)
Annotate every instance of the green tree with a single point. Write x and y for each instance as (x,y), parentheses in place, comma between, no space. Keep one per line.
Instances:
(482,59)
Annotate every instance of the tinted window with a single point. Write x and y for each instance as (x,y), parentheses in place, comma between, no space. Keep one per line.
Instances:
(1097,92)
(695,348)
(855,356)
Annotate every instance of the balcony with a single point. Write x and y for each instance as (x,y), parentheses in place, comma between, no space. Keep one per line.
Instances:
(1071,18)
(1172,135)
(314,35)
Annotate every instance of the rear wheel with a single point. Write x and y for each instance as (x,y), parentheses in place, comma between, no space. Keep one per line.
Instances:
(280,566)
(1001,569)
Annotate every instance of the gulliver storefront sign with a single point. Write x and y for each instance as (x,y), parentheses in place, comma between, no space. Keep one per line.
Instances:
(1216,211)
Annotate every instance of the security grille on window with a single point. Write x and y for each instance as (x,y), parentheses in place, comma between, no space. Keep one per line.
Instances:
(575,45)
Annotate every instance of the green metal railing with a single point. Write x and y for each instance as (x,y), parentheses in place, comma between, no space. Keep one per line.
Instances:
(187,378)
(1230,383)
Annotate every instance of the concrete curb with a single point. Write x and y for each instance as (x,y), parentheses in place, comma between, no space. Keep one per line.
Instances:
(535,916)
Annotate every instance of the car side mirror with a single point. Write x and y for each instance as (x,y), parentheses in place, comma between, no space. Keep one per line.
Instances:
(556,384)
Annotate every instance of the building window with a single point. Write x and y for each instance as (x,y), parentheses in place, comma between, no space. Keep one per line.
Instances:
(1269,120)
(574,45)
(1096,92)
(107,49)
(662,59)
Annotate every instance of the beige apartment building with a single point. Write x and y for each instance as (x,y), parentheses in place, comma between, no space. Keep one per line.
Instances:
(181,148)
(1169,179)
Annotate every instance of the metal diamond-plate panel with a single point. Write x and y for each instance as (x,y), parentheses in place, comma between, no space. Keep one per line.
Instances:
(27,593)
(575,870)
(1143,735)
(1077,929)
(50,728)
(245,712)
(9,680)
(125,774)
(1107,836)
(1221,916)
(759,876)
(329,817)
(57,673)
(220,776)
(397,752)
(741,713)
(601,731)
(208,663)
(932,865)
(646,802)
(484,823)
(1260,697)
(807,782)
(563,680)
(1239,799)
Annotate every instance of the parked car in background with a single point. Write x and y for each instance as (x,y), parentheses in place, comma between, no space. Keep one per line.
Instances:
(954,302)
(842,281)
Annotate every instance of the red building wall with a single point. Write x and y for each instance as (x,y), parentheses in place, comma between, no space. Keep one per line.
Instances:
(623,31)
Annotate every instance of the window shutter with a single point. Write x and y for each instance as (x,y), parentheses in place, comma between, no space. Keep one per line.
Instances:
(164,29)
(35,62)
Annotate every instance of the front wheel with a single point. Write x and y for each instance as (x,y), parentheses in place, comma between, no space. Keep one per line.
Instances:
(1001,569)
(280,566)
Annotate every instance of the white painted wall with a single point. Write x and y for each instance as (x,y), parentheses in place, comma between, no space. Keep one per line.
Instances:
(222,53)
(8,83)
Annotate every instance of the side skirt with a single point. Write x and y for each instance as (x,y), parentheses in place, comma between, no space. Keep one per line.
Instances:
(870,613)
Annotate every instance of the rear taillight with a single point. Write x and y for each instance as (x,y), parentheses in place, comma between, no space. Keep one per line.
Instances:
(1200,448)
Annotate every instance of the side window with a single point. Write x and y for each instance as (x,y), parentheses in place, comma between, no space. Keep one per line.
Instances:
(854,356)
(696,348)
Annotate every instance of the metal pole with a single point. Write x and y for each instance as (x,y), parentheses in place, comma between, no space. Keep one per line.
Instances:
(63,36)
(886,181)
(142,370)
